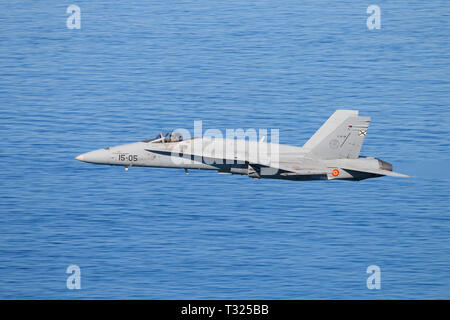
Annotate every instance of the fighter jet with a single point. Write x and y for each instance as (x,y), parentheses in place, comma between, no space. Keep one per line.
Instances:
(332,153)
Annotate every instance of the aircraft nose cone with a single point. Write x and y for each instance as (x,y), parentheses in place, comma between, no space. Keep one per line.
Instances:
(98,156)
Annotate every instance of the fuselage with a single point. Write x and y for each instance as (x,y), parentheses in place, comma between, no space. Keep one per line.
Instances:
(226,156)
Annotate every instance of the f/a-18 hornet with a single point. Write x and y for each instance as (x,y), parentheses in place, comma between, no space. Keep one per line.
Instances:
(331,153)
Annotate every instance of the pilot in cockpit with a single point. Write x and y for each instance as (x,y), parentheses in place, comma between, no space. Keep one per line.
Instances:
(175,137)
(168,137)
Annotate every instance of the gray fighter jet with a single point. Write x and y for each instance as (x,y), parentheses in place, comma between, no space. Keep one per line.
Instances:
(331,153)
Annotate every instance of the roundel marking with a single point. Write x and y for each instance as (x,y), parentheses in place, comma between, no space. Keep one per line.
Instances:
(335,173)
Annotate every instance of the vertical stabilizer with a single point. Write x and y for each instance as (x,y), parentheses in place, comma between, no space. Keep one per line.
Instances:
(340,137)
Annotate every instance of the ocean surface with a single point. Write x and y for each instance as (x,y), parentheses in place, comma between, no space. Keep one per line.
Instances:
(136,68)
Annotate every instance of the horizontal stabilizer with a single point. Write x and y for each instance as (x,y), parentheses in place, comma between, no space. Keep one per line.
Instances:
(380,172)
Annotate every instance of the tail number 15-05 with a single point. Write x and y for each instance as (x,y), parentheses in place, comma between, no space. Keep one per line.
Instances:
(128,157)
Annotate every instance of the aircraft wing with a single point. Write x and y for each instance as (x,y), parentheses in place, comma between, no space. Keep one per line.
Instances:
(302,166)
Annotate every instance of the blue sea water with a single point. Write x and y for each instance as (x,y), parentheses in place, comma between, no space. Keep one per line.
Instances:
(136,68)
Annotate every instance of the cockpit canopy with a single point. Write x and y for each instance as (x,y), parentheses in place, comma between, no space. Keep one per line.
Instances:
(166,137)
